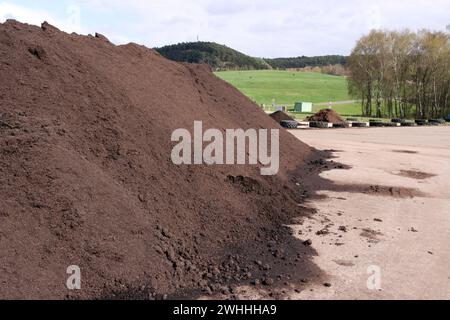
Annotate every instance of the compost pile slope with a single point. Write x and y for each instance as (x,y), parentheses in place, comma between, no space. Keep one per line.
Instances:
(326,115)
(86,177)
(279,116)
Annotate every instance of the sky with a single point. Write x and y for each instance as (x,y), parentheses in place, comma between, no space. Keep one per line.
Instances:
(260,28)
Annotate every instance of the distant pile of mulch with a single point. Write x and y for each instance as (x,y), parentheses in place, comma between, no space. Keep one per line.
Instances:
(326,115)
(86,177)
(279,116)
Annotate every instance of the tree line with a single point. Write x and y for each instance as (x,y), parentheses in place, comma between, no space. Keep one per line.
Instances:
(218,57)
(221,57)
(402,74)
(334,70)
(303,62)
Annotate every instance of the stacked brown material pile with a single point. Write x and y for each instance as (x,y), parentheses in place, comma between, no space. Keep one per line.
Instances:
(86,177)
(326,115)
(279,116)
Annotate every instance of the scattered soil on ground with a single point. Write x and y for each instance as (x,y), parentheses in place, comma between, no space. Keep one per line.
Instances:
(86,177)
(418,175)
(315,182)
(405,151)
(392,191)
(326,115)
(279,116)
(344,263)
(371,235)
(372,190)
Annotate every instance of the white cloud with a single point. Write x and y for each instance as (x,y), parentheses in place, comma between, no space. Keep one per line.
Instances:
(11,11)
(71,22)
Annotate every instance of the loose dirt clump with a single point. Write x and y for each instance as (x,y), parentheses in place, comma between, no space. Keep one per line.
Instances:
(371,235)
(344,263)
(405,151)
(279,116)
(327,115)
(413,174)
(86,177)
(377,190)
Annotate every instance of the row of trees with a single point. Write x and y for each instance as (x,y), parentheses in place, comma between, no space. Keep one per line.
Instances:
(303,62)
(402,74)
(219,57)
(334,70)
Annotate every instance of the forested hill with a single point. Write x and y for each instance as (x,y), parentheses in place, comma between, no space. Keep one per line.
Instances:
(219,57)
(303,62)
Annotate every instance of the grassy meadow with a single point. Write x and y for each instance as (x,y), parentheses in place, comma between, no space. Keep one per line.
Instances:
(287,87)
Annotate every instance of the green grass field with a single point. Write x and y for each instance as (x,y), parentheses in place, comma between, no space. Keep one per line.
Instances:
(288,87)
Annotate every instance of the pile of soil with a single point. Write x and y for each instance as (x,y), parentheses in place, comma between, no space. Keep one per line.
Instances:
(86,177)
(326,115)
(279,116)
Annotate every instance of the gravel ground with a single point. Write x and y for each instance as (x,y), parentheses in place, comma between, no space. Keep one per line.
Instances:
(382,246)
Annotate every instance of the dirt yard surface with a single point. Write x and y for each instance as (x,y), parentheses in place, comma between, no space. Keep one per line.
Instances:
(404,236)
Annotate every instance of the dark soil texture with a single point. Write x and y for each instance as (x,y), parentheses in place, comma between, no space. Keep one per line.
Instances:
(279,116)
(327,115)
(86,177)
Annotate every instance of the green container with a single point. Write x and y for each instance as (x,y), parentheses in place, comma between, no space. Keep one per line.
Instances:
(305,107)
